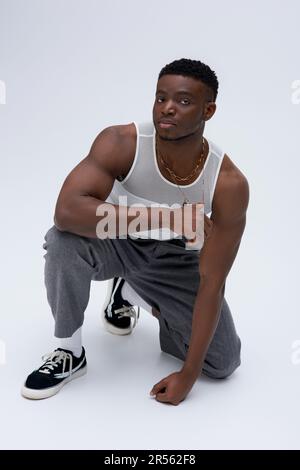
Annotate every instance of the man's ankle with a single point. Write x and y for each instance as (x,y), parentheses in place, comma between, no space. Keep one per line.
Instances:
(155,312)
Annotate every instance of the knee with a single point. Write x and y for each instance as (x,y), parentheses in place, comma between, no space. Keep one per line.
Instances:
(59,244)
(223,373)
(225,366)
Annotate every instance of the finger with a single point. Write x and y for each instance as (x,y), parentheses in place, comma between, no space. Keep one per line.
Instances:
(208,222)
(162,397)
(208,219)
(207,227)
(158,387)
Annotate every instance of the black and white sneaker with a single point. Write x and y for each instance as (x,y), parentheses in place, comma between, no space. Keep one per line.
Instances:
(59,368)
(119,316)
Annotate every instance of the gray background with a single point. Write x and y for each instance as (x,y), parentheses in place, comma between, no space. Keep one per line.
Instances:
(72,68)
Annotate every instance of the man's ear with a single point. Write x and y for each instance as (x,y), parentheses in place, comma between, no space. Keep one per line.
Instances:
(209,110)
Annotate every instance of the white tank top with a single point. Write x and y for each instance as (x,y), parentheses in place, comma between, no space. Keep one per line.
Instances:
(145,185)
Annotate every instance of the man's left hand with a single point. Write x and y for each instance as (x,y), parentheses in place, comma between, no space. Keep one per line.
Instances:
(173,389)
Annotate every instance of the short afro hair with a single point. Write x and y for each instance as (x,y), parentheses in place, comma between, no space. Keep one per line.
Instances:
(194,69)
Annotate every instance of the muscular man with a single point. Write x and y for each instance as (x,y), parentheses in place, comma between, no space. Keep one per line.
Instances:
(166,161)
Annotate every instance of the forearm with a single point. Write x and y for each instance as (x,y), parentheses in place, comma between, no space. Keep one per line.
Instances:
(206,314)
(91,217)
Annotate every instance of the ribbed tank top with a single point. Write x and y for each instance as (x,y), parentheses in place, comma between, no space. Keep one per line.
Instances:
(145,185)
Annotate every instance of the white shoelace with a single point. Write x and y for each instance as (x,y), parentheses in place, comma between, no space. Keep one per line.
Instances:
(126,311)
(53,360)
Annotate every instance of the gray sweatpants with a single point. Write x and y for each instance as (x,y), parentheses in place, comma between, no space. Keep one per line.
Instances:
(163,273)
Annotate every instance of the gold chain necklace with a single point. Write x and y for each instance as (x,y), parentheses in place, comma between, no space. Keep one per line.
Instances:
(186,178)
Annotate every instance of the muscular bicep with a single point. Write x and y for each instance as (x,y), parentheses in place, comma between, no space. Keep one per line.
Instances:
(88,178)
(229,220)
(95,175)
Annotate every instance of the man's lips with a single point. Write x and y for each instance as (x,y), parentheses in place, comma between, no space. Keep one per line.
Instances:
(164,123)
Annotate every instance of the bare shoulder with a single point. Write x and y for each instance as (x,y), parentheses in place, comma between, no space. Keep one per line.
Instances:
(115,147)
(232,190)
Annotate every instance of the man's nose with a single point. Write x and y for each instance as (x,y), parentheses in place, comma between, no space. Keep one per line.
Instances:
(169,108)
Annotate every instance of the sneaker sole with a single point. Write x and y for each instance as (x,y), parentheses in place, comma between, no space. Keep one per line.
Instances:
(107,325)
(33,394)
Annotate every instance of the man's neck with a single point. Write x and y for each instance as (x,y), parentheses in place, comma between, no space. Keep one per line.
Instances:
(182,155)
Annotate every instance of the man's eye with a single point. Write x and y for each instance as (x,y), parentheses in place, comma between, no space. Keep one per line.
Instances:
(185,101)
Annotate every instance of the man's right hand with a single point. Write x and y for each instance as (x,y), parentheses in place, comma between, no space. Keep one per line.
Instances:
(190,223)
